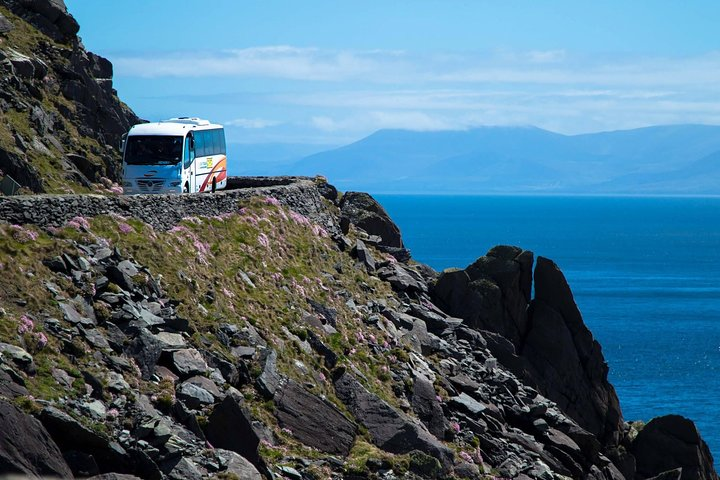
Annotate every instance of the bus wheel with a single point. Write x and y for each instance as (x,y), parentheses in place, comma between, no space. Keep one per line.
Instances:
(186,188)
(213,186)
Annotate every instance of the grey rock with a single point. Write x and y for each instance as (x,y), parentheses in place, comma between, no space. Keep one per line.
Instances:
(26,447)
(18,356)
(70,314)
(5,24)
(9,387)
(314,422)
(188,362)
(236,464)
(365,212)
(389,429)
(270,379)
(427,407)
(146,350)
(194,396)
(467,403)
(364,255)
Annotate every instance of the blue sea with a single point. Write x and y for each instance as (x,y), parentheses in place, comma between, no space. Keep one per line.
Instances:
(645,273)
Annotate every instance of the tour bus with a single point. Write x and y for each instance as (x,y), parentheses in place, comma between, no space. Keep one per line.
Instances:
(180,155)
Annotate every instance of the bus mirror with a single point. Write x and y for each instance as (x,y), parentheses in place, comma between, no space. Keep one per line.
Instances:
(122,142)
(192,141)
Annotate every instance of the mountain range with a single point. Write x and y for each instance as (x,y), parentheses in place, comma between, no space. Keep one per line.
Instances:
(662,160)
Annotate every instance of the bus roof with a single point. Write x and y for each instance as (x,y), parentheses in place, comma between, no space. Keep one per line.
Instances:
(174,126)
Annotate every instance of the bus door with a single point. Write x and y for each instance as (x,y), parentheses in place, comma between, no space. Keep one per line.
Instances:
(188,171)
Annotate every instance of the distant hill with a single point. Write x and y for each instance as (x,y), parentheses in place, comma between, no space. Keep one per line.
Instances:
(674,159)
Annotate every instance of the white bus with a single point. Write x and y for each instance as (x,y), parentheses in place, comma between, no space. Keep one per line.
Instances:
(180,155)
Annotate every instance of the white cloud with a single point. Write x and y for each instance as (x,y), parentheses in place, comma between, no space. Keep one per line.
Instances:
(253,123)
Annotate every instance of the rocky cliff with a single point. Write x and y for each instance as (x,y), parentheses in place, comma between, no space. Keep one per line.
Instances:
(263,332)
(60,118)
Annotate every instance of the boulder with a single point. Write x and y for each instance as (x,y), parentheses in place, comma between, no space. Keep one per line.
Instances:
(389,429)
(230,426)
(146,350)
(363,211)
(236,464)
(26,446)
(72,436)
(427,407)
(315,422)
(671,442)
(5,24)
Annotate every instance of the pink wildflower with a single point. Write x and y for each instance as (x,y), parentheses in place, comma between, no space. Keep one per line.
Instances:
(385,344)
(113,413)
(359,336)
(116,189)
(321,377)
(42,340)
(264,240)
(125,228)
(272,201)
(372,339)
(26,325)
(276,276)
(79,223)
(455,426)
(299,219)
(438,398)
(467,457)
(352,351)
(287,430)
(318,231)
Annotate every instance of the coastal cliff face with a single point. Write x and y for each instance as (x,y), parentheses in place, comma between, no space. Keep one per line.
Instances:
(60,118)
(267,335)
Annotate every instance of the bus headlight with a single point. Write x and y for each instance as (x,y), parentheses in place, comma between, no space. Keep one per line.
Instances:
(175,183)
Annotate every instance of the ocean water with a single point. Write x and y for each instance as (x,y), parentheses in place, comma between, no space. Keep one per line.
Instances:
(645,273)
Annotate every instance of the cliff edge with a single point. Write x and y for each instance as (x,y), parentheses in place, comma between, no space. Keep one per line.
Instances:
(60,118)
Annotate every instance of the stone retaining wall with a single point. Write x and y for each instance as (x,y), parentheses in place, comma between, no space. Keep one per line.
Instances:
(164,211)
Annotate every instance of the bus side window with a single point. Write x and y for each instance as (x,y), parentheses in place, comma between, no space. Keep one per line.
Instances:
(222,141)
(200,144)
(189,155)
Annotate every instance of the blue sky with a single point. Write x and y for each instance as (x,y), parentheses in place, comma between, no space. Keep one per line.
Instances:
(331,72)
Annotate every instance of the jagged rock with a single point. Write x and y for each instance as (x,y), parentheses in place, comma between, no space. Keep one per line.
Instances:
(669,442)
(675,474)
(315,422)
(71,315)
(565,359)
(389,429)
(427,407)
(236,464)
(365,212)
(364,256)
(5,24)
(146,350)
(401,278)
(18,356)
(230,426)
(26,447)
(9,387)
(71,436)
(194,396)
(269,380)
(188,362)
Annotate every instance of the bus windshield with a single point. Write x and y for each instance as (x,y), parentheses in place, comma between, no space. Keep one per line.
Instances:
(153,150)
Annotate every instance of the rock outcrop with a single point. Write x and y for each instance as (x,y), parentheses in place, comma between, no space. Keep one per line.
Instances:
(542,340)
(62,120)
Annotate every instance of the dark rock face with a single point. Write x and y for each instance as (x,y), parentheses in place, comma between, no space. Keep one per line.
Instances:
(389,429)
(313,421)
(566,360)
(365,212)
(543,340)
(26,447)
(669,442)
(231,427)
(49,71)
